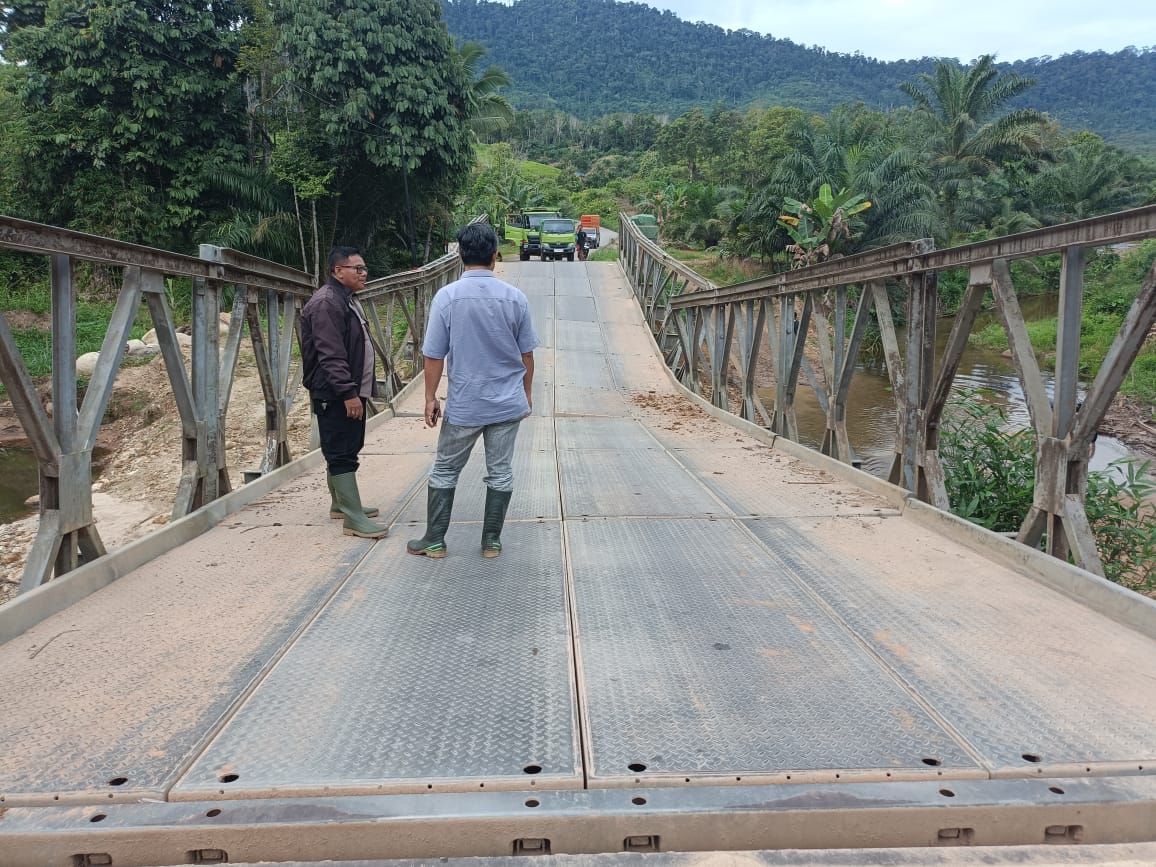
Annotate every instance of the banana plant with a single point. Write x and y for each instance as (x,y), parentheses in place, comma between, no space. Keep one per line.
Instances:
(816,227)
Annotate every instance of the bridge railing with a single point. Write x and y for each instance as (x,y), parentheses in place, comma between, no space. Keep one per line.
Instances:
(262,298)
(698,327)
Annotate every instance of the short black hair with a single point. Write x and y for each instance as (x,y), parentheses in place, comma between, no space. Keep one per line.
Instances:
(340,255)
(477,244)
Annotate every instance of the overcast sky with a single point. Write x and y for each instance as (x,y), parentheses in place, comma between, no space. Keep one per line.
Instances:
(906,29)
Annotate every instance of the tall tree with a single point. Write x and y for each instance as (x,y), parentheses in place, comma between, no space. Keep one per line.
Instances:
(1088,178)
(126,103)
(967,134)
(860,150)
(487,110)
(689,140)
(385,100)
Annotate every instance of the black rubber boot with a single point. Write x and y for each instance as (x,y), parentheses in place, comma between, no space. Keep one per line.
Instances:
(439,506)
(495,516)
(349,502)
(335,512)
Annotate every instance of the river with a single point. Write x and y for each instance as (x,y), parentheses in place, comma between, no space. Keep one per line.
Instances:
(871,407)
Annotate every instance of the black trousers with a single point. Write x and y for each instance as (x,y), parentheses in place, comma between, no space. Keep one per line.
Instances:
(341,436)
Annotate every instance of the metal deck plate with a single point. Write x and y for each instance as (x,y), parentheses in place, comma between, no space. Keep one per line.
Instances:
(640,373)
(543,316)
(618,310)
(572,283)
(583,369)
(579,336)
(385,481)
(110,703)
(631,482)
(574,400)
(420,674)
(755,480)
(701,656)
(1057,696)
(628,338)
(576,308)
(603,433)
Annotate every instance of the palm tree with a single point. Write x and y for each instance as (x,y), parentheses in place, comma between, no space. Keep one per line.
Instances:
(968,136)
(1089,178)
(487,111)
(860,151)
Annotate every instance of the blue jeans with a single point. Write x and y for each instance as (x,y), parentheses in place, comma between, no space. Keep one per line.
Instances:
(455,444)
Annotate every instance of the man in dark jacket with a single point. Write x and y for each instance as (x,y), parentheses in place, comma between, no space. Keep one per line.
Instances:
(338,362)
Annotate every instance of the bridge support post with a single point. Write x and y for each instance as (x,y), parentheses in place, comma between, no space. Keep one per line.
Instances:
(66,535)
(1067,431)
(911,469)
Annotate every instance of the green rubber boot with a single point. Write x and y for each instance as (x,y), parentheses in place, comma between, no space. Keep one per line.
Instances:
(495,516)
(439,506)
(335,510)
(349,502)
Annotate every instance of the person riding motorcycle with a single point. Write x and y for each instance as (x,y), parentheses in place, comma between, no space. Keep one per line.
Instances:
(581,245)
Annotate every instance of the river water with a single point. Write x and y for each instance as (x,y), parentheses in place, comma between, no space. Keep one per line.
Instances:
(871,407)
(18,482)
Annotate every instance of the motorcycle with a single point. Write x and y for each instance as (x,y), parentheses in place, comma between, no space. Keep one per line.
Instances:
(584,248)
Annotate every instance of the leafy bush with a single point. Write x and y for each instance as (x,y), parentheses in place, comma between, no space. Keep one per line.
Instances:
(990,468)
(990,477)
(1122,513)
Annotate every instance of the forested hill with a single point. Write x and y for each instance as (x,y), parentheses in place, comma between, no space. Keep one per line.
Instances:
(593,57)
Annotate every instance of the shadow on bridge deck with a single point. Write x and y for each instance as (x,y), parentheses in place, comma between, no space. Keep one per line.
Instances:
(678,603)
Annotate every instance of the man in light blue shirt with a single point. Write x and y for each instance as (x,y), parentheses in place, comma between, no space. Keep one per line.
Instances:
(480,326)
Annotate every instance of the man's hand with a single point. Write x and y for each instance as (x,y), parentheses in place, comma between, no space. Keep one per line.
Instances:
(433,411)
(354,408)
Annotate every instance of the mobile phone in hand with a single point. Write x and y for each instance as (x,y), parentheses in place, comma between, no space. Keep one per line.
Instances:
(437,414)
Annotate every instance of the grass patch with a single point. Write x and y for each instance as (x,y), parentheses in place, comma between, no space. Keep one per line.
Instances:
(1110,290)
(92,320)
(604,254)
(533,171)
(720,271)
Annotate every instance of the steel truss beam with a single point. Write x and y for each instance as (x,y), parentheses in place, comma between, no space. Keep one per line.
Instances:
(267,298)
(706,319)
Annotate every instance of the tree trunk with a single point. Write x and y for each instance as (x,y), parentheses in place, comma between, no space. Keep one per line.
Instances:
(316,245)
(300,232)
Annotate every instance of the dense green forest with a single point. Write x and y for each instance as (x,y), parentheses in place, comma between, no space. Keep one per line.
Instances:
(278,128)
(591,57)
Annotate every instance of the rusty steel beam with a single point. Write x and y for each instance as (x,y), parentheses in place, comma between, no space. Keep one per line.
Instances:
(28,237)
(1064,433)
(902,260)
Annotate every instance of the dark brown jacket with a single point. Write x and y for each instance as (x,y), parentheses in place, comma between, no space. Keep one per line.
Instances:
(332,344)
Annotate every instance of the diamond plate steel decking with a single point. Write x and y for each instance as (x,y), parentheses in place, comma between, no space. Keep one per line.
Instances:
(678,603)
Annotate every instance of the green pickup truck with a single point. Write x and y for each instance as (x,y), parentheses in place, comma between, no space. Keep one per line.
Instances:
(558,239)
(524,230)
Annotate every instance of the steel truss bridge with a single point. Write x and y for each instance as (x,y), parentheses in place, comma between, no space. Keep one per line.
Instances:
(701,636)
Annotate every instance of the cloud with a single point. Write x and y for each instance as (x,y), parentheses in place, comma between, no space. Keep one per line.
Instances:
(903,29)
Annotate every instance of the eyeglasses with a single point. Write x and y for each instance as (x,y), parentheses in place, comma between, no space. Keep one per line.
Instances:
(360,269)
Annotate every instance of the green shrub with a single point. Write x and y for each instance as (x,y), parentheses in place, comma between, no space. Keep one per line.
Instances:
(990,477)
(1123,519)
(990,468)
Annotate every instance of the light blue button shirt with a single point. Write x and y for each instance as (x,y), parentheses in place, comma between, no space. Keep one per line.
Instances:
(481,326)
